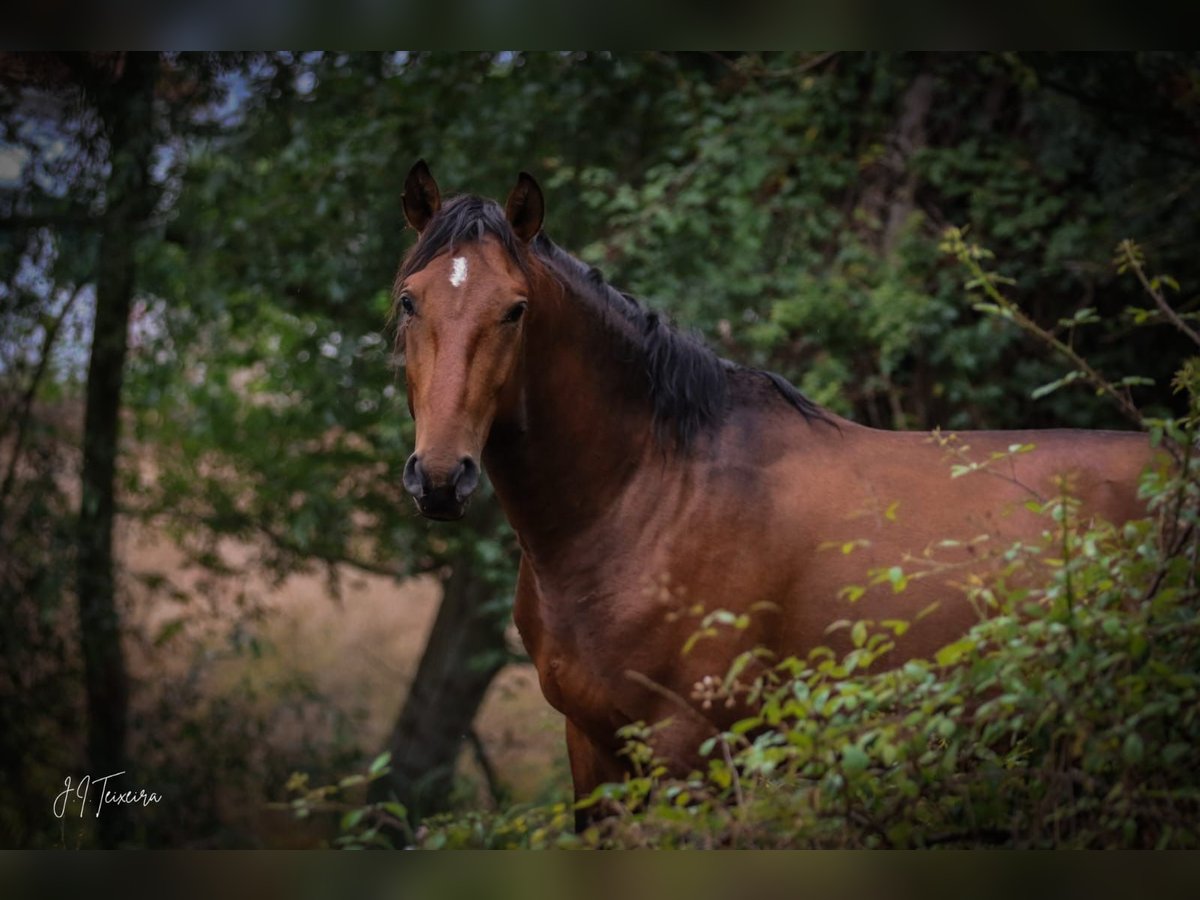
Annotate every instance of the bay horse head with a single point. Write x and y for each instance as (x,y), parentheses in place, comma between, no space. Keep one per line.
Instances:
(462,295)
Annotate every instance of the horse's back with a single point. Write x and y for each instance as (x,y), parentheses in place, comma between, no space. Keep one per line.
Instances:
(900,520)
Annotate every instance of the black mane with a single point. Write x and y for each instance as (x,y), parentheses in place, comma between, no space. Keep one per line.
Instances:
(689,385)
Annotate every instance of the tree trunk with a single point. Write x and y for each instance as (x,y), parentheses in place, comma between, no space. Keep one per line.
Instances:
(889,188)
(126,110)
(466,649)
(908,139)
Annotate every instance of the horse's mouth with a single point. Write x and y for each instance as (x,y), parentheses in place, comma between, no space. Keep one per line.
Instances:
(442,510)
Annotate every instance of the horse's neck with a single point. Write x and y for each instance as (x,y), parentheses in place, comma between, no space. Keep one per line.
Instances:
(582,429)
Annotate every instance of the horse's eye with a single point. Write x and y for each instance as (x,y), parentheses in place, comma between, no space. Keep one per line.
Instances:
(406,304)
(515,313)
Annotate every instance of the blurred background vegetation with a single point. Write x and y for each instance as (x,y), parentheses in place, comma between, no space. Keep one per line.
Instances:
(209,575)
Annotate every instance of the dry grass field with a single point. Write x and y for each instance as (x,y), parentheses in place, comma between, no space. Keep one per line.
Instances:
(321,670)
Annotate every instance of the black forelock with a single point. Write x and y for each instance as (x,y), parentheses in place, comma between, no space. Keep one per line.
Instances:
(462,220)
(688,383)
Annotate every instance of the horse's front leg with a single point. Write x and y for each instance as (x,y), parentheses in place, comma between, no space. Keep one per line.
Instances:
(591,766)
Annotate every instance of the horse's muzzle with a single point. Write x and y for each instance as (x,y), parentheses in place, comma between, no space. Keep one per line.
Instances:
(444,499)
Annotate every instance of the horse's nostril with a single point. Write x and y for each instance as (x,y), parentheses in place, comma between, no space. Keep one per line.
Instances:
(466,478)
(457,487)
(414,478)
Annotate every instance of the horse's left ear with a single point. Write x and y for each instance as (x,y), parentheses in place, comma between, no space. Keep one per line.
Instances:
(525,207)
(421,196)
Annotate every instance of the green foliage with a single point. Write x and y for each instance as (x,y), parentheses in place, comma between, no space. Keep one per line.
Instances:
(39,707)
(362,825)
(803,235)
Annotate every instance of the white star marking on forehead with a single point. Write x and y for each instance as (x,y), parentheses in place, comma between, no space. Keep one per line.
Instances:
(458,274)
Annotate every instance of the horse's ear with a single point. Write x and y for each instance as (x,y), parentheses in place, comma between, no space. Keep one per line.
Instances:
(421,196)
(525,207)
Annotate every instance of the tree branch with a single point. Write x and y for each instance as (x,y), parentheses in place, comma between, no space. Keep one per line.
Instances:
(26,404)
(50,220)
(1132,256)
(969,255)
(326,557)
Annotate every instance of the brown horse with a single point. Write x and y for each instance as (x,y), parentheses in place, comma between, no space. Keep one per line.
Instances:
(645,476)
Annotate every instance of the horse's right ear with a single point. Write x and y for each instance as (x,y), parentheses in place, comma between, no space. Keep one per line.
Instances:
(525,207)
(421,196)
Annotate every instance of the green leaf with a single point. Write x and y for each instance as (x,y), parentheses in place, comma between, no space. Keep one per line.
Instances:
(696,637)
(858,633)
(928,610)
(380,763)
(1081,317)
(399,810)
(1045,389)
(1133,748)
(1137,646)
(852,592)
(953,653)
(854,759)
(1172,753)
